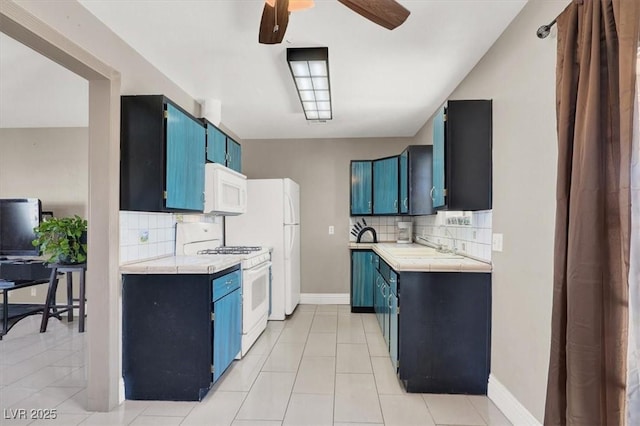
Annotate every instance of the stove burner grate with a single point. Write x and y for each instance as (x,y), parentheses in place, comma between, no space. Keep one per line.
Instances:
(231,250)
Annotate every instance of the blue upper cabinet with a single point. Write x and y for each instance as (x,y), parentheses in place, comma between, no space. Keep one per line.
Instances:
(385,186)
(162,156)
(437,192)
(234,155)
(222,149)
(216,145)
(360,188)
(404,182)
(185,161)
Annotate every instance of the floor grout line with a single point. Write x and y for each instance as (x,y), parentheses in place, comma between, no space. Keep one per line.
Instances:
(65,338)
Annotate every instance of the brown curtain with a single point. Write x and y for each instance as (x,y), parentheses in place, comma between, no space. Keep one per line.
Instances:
(595,84)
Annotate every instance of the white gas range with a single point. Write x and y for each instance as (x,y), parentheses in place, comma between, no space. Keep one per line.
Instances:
(204,239)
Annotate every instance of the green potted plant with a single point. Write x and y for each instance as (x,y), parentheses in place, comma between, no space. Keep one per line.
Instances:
(63,240)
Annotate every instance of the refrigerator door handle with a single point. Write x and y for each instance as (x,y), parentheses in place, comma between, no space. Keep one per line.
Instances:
(292,237)
(292,218)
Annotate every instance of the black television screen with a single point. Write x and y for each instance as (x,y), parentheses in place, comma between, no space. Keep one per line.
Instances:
(18,217)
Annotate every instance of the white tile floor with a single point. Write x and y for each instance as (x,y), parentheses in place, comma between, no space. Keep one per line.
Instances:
(323,366)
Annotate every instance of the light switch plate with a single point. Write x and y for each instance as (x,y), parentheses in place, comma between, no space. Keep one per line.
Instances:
(331,230)
(496,242)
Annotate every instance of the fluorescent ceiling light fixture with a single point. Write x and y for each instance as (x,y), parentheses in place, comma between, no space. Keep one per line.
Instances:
(309,68)
(294,5)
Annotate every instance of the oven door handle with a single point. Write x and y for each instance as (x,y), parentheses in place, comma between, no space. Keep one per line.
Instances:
(259,269)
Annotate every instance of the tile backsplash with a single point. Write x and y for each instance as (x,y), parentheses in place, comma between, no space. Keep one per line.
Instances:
(385,227)
(468,232)
(145,235)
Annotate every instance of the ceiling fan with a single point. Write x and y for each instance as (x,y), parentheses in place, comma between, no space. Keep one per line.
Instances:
(275,15)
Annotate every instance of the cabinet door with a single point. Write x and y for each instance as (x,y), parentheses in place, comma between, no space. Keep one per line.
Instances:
(468,154)
(384,312)
(379,296)
(236,334)
(234,155)
(385,186)
(360,187)
(404,182)
(437,192)
(185,151)
(216,145)
(393,328)
(227,332)
(362,279)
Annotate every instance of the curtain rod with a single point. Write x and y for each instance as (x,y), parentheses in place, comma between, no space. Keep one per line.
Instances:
(544,30)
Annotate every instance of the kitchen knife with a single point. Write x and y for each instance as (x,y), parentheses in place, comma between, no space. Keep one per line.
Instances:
(364,221)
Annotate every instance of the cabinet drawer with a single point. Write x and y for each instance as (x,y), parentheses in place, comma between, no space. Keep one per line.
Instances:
(226,284)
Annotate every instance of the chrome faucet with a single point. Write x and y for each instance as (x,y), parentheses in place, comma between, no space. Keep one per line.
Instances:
(454,249)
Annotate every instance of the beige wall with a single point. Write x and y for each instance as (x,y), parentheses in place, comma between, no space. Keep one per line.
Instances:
(46,163)
(49,164)
(321,168)
(122,70)
(518,73)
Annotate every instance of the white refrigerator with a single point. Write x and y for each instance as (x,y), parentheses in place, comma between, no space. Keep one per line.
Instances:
(273,220)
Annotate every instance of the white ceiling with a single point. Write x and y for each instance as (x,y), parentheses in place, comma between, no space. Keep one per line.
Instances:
(384,83)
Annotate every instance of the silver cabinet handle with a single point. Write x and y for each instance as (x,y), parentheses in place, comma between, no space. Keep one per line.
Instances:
(431,193)
(406,203)
(389,300)
(395,204)
(369,208)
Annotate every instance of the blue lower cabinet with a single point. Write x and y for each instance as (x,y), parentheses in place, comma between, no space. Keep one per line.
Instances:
(227,321)
(175,333)
(362,280)
(227,331)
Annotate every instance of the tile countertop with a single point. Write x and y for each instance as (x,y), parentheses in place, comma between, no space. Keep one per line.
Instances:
(182,265)
(421,258)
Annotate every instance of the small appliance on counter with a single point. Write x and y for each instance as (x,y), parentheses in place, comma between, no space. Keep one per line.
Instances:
(405,232)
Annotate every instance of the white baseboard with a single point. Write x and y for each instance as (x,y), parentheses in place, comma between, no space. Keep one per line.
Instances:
(325,298)
(509,404)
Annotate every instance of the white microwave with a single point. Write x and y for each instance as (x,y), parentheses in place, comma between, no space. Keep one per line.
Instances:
(225,190)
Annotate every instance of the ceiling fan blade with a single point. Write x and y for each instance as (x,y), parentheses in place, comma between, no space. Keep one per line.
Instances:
(274,22)
(387,13)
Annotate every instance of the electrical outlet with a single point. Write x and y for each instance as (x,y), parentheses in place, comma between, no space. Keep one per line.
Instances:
(475,234)
(34,292)
(143,235)
(331,230)
(497,242)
